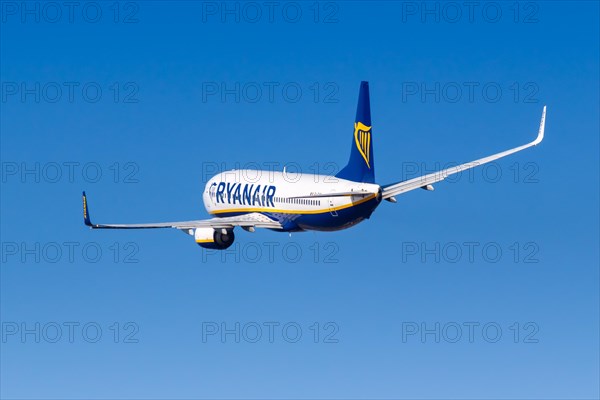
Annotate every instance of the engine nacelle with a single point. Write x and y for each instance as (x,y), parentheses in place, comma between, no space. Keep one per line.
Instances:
(210,238)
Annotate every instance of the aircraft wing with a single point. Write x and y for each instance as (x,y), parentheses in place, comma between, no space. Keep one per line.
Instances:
(425,180)
(255,220)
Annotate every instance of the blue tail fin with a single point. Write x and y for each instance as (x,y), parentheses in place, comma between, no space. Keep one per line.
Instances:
(361,166)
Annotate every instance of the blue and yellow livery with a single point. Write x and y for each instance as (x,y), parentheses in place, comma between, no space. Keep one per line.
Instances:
(311,202)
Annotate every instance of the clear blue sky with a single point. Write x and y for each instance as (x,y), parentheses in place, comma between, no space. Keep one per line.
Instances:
(158,99)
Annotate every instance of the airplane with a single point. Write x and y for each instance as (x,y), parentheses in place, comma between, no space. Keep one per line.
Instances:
(252,199)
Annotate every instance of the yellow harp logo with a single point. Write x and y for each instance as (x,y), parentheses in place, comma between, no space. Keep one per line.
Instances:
(362,136)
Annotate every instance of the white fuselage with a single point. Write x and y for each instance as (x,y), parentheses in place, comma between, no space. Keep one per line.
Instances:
(287,198)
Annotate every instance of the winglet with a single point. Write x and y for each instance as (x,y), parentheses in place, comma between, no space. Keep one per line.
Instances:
(86,213)
(540,135)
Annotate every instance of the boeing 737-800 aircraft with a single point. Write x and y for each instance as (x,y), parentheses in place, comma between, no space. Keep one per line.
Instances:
(266,199)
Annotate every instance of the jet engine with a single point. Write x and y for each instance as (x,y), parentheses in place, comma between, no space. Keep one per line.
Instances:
(210,238)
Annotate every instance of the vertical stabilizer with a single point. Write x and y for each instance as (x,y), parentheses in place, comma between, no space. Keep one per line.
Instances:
(361,166)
